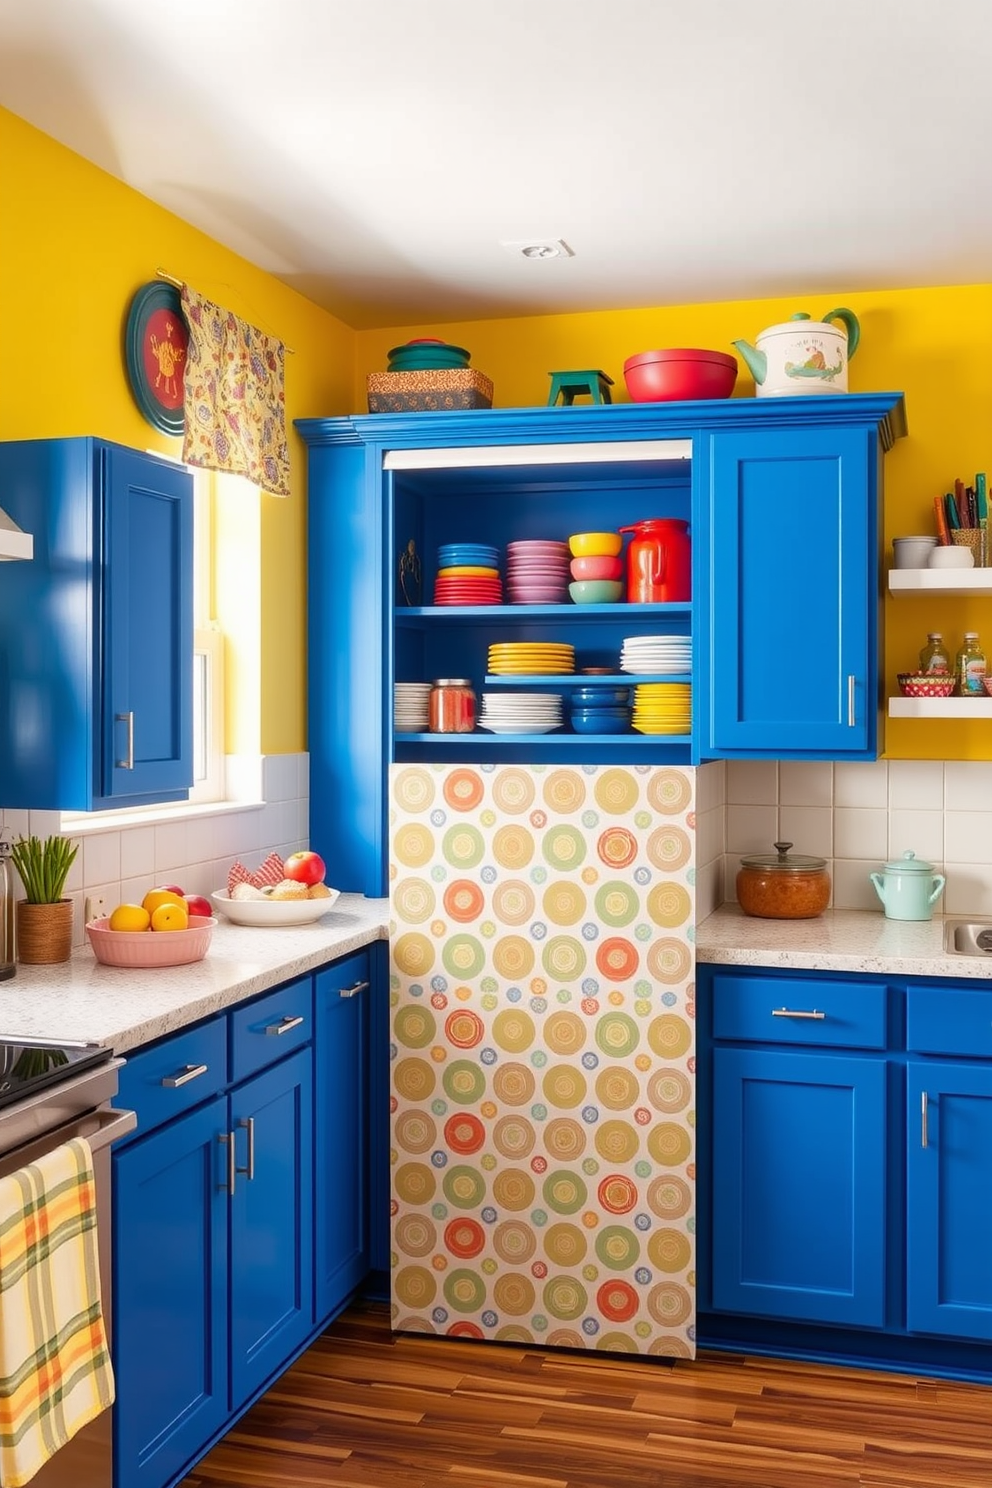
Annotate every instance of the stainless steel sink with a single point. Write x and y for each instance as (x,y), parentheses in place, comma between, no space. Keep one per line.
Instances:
(968,937)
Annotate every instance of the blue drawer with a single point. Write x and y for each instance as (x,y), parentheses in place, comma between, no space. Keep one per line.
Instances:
(171,1077)
(798,1010)
(949,1020)
(264,1030)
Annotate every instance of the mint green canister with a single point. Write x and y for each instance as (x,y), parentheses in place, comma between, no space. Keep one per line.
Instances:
(908,888)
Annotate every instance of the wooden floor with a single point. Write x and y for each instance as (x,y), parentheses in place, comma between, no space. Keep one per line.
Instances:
(362,1409)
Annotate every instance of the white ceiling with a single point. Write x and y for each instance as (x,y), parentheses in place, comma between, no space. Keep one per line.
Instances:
(373,154)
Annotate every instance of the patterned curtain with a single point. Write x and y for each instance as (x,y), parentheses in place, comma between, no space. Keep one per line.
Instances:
(235,401)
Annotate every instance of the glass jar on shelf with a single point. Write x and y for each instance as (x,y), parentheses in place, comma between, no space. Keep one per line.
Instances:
(935,657)
(452,706)
(970,667)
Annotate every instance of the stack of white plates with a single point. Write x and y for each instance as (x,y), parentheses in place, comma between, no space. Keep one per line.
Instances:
(520,712)
(656,653)
(537,572)
(411,707)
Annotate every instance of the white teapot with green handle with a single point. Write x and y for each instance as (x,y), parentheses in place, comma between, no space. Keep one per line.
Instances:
(803,355)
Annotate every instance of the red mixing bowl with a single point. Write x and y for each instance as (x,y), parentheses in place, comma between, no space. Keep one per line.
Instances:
(664,376)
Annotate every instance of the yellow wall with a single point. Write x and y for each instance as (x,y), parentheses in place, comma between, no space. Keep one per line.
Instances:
(75,245)
(931,344)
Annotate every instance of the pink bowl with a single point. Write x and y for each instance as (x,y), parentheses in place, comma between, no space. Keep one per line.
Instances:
(926,684)
(597,568)
(148,948)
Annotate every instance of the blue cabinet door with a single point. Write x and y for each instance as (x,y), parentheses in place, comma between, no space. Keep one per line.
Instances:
(341,1029)
(271,1120)
(949,1197)
(96,687)
(147,701)
(792,622)
(799,1185)
(170,1312)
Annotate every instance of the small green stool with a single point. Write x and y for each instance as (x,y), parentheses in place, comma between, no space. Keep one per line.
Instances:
(575,384)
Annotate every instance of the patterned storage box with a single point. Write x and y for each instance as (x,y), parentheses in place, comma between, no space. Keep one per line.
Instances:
(417,392)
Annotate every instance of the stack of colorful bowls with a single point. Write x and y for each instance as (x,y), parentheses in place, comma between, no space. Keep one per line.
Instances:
(596,567)
(427,354)
(662,708)
(536,571)
(468,574)
(600,710)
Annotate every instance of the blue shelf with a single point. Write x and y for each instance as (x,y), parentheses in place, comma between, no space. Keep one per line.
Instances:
(594,612)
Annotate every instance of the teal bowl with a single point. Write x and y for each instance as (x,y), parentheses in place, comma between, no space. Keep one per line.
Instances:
(596,591)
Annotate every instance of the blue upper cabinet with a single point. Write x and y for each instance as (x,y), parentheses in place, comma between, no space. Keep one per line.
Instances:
(792,624)
(96,684)
(783,500)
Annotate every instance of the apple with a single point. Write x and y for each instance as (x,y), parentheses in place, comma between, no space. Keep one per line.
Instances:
(197,905)
(174,889)
(305,867)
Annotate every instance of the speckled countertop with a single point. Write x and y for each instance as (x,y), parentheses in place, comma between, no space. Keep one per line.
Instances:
(839,940)
(81,999)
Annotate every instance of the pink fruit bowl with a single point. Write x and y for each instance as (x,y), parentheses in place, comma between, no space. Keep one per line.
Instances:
(925,685)
(149,948)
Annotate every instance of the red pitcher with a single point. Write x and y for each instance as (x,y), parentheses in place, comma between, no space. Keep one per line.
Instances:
(659,567)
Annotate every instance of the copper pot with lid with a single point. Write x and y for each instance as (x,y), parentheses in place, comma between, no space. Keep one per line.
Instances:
(783,885)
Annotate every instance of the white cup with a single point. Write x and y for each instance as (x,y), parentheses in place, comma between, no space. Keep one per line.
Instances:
(951,558)
(912,552)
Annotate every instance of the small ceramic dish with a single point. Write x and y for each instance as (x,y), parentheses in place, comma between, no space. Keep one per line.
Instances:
(595,544)
(150,948)
(602,566)
(601,721)
(596,591)
(600,697)
(272,914)
(926,685)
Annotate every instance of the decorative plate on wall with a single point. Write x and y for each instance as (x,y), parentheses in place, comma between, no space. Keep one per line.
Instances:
(156,341)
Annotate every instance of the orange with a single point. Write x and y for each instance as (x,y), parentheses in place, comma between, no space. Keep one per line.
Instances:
(129,917)
(155,897)
(170,917)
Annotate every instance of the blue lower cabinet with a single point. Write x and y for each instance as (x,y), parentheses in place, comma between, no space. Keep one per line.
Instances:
(949,1199)
(271,1221)
(170,1312)
(341,1038)
(798,1226)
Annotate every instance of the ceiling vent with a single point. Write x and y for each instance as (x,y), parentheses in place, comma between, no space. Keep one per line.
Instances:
(538,247)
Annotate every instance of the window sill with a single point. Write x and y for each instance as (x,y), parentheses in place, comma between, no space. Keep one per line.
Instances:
(150,816)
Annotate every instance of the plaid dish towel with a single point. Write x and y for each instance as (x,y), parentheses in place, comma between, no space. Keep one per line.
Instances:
(55,1370)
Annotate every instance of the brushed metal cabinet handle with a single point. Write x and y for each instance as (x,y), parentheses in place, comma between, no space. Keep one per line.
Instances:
(128,718)
(352,991)
(248,1122)
(924,1127)
(850,701)
(232,1167)
(285,1024)
(188,1072)
(784,1012)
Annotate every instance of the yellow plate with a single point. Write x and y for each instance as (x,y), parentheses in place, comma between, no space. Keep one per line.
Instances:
(520,648)
(468,573)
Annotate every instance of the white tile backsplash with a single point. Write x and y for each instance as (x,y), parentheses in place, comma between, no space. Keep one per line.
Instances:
(859,815)
(122,863)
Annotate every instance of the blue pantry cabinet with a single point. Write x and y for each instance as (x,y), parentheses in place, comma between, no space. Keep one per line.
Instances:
(241,1219)
(846,1168)
(783,496)
(96,686)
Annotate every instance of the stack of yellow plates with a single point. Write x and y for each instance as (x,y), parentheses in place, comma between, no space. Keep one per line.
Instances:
(662,708)
(536,658)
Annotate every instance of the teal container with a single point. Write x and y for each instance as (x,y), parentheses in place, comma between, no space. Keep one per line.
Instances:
(908,888)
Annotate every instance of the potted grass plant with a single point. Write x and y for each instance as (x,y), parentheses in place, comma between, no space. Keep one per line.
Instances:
(44,916)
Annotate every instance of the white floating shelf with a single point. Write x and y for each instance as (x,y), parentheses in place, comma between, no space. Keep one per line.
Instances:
(952,707)
(957,581)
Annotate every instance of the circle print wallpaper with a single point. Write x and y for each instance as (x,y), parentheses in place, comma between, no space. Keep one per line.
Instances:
(542,1090)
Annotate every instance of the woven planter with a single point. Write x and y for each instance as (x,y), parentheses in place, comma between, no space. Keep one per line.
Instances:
(44,932)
